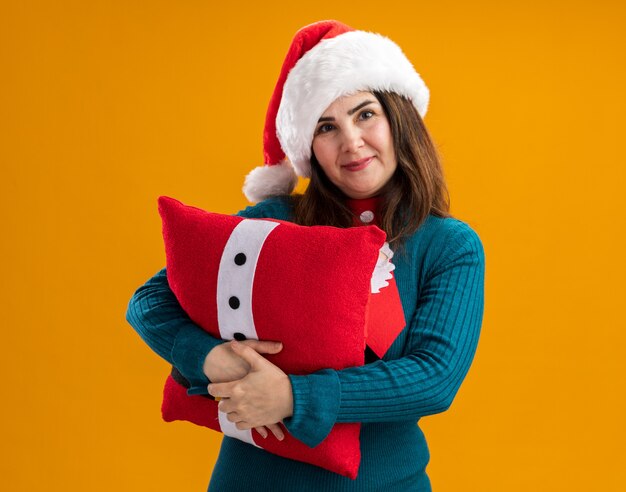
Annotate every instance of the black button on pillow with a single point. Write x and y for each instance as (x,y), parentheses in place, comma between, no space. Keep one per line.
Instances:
(233,302)
(240,337)
(240,259)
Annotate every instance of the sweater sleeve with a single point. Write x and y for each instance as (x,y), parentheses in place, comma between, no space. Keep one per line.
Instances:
(440,347)
(158,318)
(156,315)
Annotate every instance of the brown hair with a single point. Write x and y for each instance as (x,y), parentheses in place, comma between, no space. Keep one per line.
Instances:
(416,189)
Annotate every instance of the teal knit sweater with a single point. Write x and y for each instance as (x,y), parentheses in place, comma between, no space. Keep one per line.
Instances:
(440,278)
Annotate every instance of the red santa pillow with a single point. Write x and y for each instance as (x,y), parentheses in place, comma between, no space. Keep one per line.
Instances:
(308,287)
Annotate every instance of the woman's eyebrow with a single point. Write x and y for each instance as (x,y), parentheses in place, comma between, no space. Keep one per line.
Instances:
(350,112)
(354,110)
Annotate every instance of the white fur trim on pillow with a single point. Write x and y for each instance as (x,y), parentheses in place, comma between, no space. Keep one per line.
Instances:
(266,181)
(348,63)
(237,279)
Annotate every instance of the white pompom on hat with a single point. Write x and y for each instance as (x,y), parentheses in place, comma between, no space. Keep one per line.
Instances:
(326,60)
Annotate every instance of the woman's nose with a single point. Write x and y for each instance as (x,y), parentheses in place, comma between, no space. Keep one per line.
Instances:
(351,139)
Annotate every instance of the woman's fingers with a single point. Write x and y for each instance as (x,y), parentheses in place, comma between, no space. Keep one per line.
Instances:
(264,346)
(223,391)
(243,426)
(232,416)
(274,428)
(263,431)
(277,431)
(224,404)
(222,364)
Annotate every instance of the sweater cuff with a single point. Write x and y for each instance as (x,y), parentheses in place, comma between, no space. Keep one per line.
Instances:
(316,399)
(191,347)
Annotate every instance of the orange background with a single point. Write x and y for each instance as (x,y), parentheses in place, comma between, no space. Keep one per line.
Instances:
(108,104)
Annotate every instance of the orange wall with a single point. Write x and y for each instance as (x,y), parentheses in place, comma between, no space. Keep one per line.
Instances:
(108,104)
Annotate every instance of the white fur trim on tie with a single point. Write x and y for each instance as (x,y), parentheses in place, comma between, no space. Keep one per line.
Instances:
(346,64)
(266,181)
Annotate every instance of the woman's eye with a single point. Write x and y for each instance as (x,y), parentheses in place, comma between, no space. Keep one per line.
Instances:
(366,115)
(325,128)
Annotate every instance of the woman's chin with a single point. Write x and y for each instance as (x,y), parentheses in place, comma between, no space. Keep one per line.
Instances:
(361,190)
(357,194)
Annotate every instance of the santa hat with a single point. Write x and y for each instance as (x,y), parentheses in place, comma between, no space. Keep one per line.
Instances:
(326,60)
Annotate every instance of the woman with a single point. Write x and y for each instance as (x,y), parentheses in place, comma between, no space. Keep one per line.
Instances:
(347,111)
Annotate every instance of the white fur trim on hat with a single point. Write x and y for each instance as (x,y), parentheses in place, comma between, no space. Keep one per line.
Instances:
(266,181)
(351,62)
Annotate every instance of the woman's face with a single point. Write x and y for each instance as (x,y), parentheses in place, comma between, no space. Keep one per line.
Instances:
(353,145)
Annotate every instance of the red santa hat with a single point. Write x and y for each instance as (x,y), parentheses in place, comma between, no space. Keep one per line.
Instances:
(326,60)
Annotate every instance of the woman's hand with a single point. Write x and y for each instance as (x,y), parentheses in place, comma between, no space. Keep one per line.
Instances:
(222,364)
(262,397)
(273,428)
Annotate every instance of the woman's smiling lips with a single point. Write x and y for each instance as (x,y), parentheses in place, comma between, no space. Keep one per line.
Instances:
(357,165)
